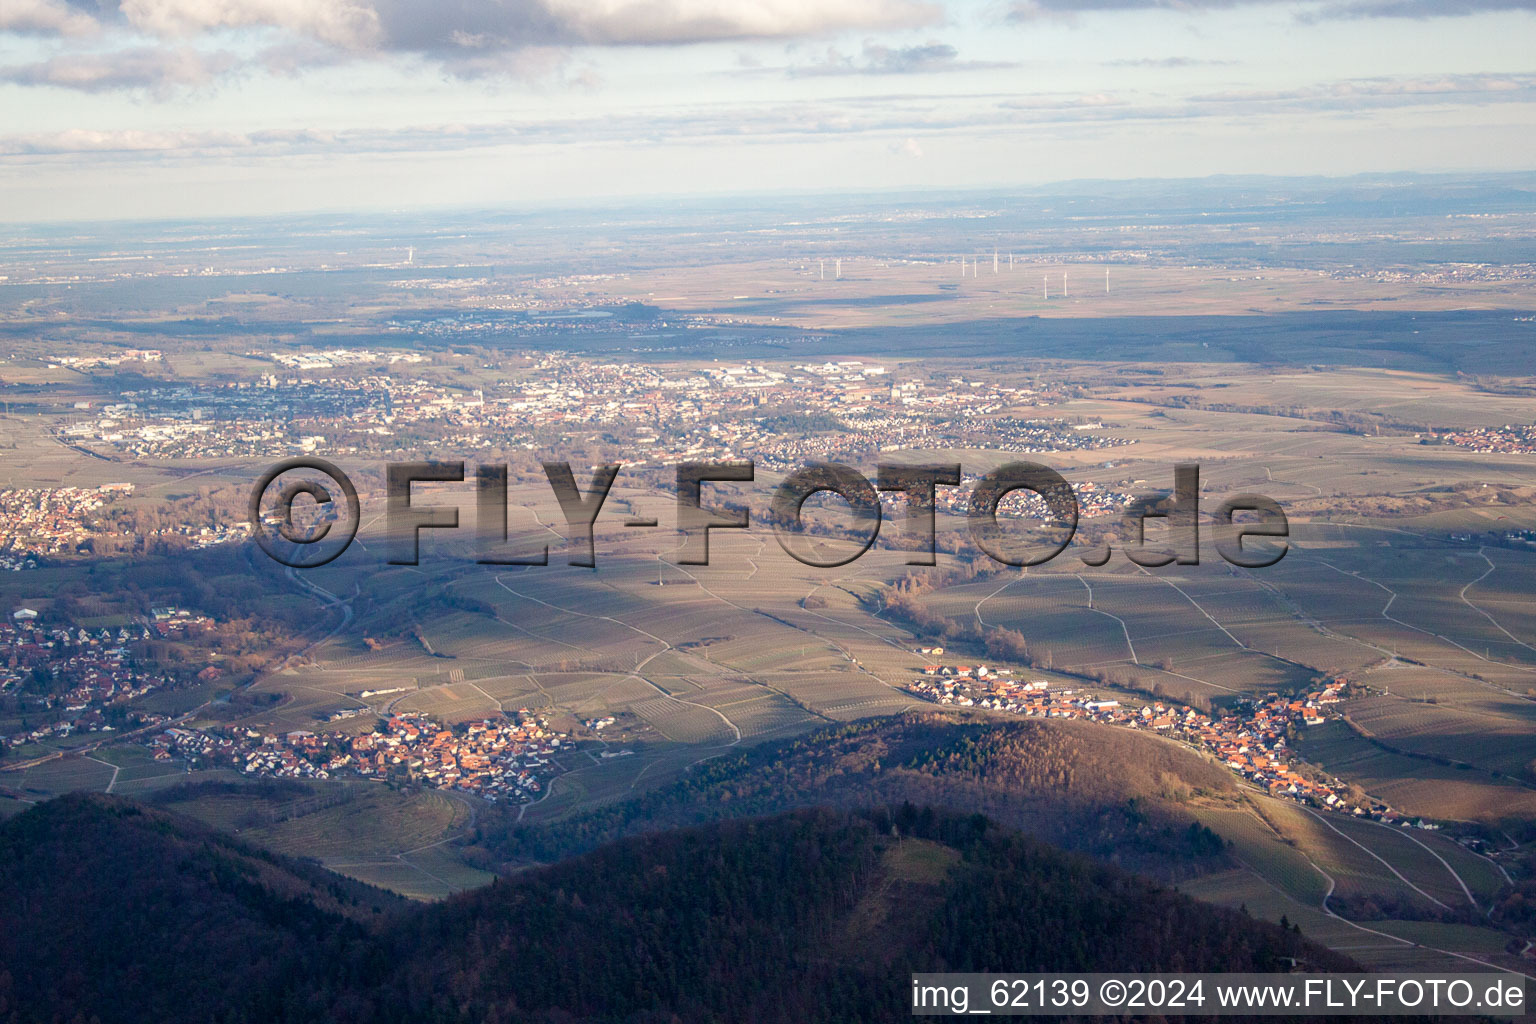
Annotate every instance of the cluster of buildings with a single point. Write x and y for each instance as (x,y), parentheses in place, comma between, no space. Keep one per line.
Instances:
(198,440)
(760,410)
(1092,500)
(500,759)
(1440,273)
(331,358)
(664,414)
(1252,739)
(268,418)
(1500,538)
(71,677)
(1510,439)
(92,362)
(41,521)
(169,622)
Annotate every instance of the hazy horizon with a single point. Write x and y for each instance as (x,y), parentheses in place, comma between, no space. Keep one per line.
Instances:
(157,108)
(679,203)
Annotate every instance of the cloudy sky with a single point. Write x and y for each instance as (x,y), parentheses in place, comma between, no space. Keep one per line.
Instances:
(150,108)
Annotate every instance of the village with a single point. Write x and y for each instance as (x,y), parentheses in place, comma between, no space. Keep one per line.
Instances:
(1510,439)
(500,760)
(41,521)
(38,523)
(1252,739)
(76,680)
(1092,500)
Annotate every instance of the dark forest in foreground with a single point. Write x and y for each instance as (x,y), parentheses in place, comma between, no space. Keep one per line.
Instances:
(113,912)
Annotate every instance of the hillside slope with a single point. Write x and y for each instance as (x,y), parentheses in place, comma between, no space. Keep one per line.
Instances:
(815,915)
(1111,793)
(113,912)
(126,913)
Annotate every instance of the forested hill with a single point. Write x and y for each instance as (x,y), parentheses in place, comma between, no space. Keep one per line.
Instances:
(1114,794)
(115,913)
(815,915)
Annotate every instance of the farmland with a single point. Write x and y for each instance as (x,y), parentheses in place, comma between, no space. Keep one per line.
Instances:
(1356,408)
(693,661)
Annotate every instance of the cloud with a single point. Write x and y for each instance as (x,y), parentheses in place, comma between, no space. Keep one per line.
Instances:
(907,60)
(928,58)
(85,141)
(1414,8)
(1168,62)
(895,121)
(1029,10)
(468,38)
(1319,10)
(291,58)
(345,23)
(155,70)
(1379,93)
(425,27)
(534,39)
(45,17)
(662,22)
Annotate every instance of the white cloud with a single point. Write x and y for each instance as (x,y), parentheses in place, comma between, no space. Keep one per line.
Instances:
(81,140)
(927,58)
(1374,93)
(45,17)
(631,22)
(338,22)
(1317,10)
(147,68)
(896,122)
(468,38)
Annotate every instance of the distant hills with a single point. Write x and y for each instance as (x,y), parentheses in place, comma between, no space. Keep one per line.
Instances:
(115,912)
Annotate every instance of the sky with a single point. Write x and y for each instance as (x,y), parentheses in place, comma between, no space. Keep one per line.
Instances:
(202,108)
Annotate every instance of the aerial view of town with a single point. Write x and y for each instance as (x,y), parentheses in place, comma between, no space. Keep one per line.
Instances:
(688,512)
